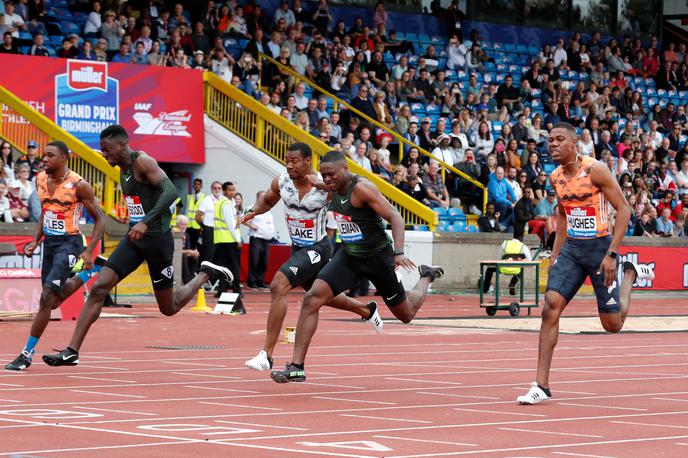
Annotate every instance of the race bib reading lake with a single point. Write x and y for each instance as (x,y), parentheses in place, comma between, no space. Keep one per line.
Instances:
(54,223)
(349,231)
(301,231)
(136,212)
(581,222)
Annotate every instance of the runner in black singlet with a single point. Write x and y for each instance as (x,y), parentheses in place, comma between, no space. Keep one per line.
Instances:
(149,193)
(367,252)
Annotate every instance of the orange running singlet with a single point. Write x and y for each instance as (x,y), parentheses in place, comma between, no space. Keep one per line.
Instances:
(587,211)
(62,209)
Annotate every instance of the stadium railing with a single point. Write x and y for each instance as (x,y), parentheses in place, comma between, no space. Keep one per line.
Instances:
(272,134)
(401,141)
(20,123)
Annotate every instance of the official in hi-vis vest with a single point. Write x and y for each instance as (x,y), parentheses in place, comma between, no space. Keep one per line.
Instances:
(513,249)
(193,231)
(205,217)
(227,237)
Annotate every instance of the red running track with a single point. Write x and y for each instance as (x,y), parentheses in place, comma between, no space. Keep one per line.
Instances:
(413,391)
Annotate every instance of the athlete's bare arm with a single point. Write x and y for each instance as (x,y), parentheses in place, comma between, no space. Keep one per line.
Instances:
(366,192)
(602,178)
(85,194)
(560,238)
(264,204)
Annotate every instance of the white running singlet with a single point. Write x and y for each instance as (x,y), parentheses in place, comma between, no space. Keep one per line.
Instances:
(306,217)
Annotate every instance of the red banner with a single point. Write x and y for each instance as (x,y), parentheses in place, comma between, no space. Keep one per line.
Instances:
(161,108)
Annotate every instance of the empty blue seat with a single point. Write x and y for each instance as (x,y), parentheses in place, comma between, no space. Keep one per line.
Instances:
(456,212)
(442,213)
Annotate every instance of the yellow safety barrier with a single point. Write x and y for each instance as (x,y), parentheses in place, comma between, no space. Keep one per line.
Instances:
(20,123)
(401,140)
(273,134)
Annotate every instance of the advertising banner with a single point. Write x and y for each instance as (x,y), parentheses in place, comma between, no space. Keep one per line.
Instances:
(161,108)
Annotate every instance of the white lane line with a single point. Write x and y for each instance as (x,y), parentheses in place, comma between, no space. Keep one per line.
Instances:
(220,389)
(583,455)
(9,400)
(469,396)
(101,447)
(648,424)
(500,412)
(671,399)
(424,381)
(109,394)
(261,426)
(576,392)
(601,407)
(193,364)
(117,411)
(239,405)
(336,386)
(228,377)
(383,418)
(354,400)
(549,432)
(88,366)
(427,441)
(11,385)
(102,379)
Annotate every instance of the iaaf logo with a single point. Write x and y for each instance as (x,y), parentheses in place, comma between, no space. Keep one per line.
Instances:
(633,257)
(86,75)
(165,124)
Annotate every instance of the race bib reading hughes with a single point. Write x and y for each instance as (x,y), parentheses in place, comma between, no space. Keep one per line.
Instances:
(581,222)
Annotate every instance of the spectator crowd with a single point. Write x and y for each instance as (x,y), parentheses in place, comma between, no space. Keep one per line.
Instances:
(474,105)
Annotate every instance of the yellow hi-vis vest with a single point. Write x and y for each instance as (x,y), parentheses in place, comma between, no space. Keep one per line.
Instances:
(173,210)
(510,250)
(191,208)
(221,232)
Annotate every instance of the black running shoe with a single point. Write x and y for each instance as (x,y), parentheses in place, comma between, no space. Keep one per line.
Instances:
(434,272)
(20,363)
(66,357)
(290,373)
(216,272)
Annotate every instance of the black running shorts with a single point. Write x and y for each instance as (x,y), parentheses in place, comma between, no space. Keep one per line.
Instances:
(302,268)
(578,259)
(60,254)
(345,271)
(155,249)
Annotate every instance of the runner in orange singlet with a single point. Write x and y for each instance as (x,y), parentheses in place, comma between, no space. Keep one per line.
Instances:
(583,248)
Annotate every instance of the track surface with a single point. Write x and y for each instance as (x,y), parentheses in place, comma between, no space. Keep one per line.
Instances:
(413,391)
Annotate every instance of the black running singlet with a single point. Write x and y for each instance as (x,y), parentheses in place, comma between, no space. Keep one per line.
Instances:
(140,198)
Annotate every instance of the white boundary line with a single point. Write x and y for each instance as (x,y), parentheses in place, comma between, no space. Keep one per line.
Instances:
(275,409)
(355,400)
(550,432)
(427,441)
(109,394)
(386,419)
(601,406)
(102,379)
(117,411)
(261,426)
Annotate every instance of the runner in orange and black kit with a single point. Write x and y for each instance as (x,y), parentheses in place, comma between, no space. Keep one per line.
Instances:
(63,193)
(583,248)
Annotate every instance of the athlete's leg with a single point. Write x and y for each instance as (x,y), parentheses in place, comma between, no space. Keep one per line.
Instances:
(555,304)
(408,309)
(172,300)
(279,288)
(51,300)
(613,322)
(106,280)
(319,294)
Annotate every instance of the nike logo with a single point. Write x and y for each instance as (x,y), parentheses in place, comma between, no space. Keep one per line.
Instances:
(344,201)
(392,297)
(127,178)
(66,357)
(157,281)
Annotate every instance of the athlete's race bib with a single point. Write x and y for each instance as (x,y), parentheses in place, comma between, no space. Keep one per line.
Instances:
(135,208)
(301,231)
(581,222)
(349,231)
(54,223)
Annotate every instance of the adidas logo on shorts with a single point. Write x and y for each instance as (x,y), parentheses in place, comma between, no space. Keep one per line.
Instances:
(611,301)
(294,269)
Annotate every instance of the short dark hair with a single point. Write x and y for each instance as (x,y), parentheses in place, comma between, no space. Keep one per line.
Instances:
(566,126)
(226,185)
(114,132)
(302,148)
(198,180)
(62,146)
(333,156)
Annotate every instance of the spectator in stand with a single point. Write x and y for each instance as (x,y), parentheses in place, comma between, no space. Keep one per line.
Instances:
(112,31)
(93,22)
(18,209)
(285,14)
(100,52)
(666,78)
(5,212)
(436,189)
(31,159)
(139,55)
(524,212)
(545,208)
(8,44)
(361,159)
(11,21)
(123,56)
(664,225)
(509,96)
(489,222)
(502,194)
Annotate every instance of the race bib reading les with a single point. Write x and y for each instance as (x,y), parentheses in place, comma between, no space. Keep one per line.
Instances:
(135,209)
(54,223)
(301,231)
(349,232)
(581,222)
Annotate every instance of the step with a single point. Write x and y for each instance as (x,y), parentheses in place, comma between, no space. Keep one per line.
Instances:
(138,282)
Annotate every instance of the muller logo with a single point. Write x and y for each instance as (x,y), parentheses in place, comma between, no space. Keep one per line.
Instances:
(86,75)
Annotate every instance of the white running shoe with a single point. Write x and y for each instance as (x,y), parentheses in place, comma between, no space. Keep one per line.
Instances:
(642,271)
(375,320)
(260,363)
(216,272)
(534,395)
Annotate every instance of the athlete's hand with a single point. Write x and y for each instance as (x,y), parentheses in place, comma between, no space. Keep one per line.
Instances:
(87,257)
(608,267)
(245,218)
(404,262)
(29,248)
(552,261)
(136,232)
